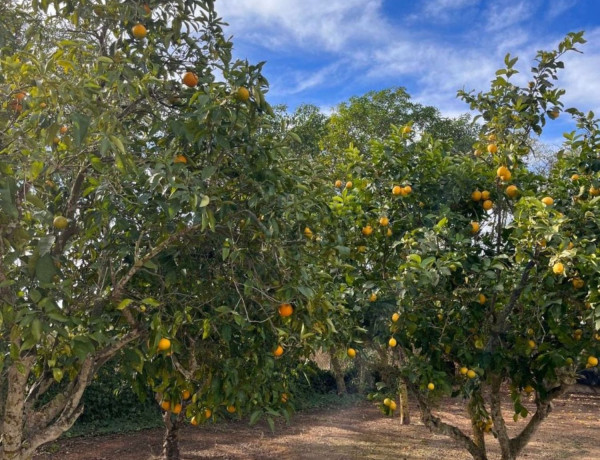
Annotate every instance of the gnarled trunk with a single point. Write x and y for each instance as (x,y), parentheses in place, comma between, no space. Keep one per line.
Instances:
(404,410)
(338,373)
(171,438)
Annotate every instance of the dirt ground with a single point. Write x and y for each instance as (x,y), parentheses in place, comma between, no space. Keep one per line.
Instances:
(358,432)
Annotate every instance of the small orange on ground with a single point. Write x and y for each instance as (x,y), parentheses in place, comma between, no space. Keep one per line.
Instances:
(367,230)
(395,317)
(349,184)
(165,405)
(338,183)
(485,195)
(351,352)
(392,342)
(476,195)
(488,204)
(396,190)
(492,148)
(474,227)
(231,409)
(190,79)
(242,94)
(384,221)
(278,351)
(512,191)
(164,344)
(558,268)
(139,31)
(430,386)
(185,394)
(548,201)
(578,283)
(177,409)
(285,309)
(180,159)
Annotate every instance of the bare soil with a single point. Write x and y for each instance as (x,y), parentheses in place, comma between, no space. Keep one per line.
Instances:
(358,432)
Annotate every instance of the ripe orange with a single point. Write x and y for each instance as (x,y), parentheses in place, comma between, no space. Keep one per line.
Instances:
(284,397)
(531,344)
(575,177)
(558,268)
(185,394)
(338,183)
(64,129)
(20,96)
(481,299)
(180,159)
(190,79)
(349,184)
(492,137)
(396,190)
(407,189)
(392,342)
(477,152)
(308,232)
(177,409)
(231,409)
(165,405)
(474,227)
(503,173)
(387,402)
(194,421)
(164,344)
(548,201)
(488,204)
(207,413)
(285,309)
(471,374)
(578,283)
(395,317)
(367,230)
(463,370)
(384,221)
(512,191)
(393,405)
(476,195)
(278,351)
(351,352)
(592,361)
(242,94)
(553,114)
(430,386)
(139,31)
(389,232)
(373,297)
(407,129)
(492,148)
(485,195)
(528,389)
(594,191)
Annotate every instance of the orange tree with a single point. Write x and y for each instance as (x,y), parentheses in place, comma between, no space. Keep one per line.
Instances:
(492,269)
(143,213)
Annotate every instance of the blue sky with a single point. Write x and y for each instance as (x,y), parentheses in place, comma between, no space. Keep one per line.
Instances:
(324,51)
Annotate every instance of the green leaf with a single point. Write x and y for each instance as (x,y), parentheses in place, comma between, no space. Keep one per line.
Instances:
(204,201)
(36,329)
(123,304)
(81,124)
(45,269)
(255,417)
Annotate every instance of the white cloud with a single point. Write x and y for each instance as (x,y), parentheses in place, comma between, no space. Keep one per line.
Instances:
(506,14)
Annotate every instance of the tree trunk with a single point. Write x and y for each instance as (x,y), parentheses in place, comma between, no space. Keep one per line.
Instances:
(478,434)
(338,373)
(171,439)
(404,410)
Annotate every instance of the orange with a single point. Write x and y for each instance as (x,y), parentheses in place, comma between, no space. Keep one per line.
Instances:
(396,190)
(463,370)
(180,159)
(558,268)
(384,221)
(392,342)
(393,405)
(592,361)
(485,195)
(407,190)
(349,184)
(373,297)
(20,96)
(60,222)
(529,389)
(488,204)
(389,232)
(285,309)
(194,421)
(165,405)
(477,152)
(481,299)
(139,31)
(395,317)
(43,105)
(190,79)
(492,148)
(531,344)
(578,283)
(242,94)
(553,114)
(185,394)
(278,351)
(430,386)
(308,232)
(164,344)
(284,397)
(351,352)
(512,191)
(503,173)
(476,195)
(64,129)
(548,201)
(147,9)
(387,402)
(474,227)
(231,409)
(492,137)
(575,177)
(177,409)
(207,413)
(594,191)
(367,230)
(406,130)
(471,374)
(338,183)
